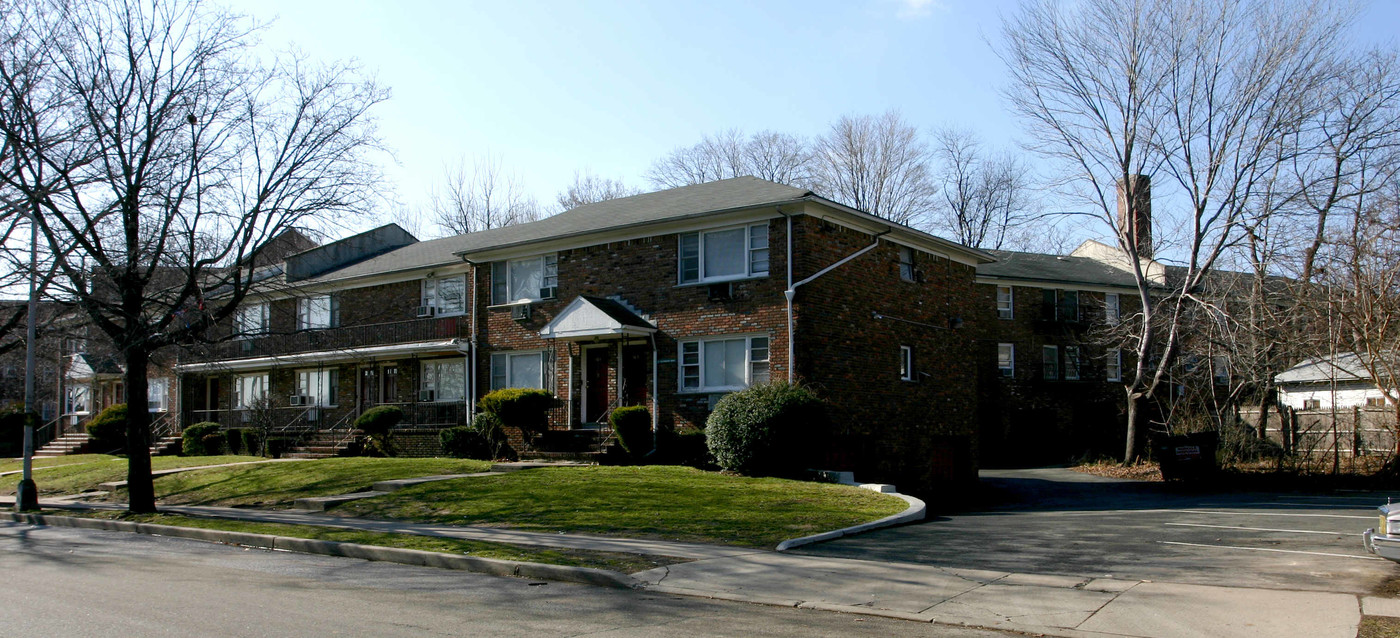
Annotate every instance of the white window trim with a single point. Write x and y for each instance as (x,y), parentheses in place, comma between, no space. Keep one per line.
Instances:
(304,312)
(1008,372)
(906,361)
(1117,315)
(749,272)
(332,381)
(263,311)
(1117,359)
(241,402)
(422,378)
(912,268)
(164,396)
(1010,303)
(490,372)
(545,262)
(748,362)
(436,301)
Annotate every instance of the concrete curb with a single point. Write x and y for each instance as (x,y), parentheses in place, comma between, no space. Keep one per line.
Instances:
(915,512)
(491,566)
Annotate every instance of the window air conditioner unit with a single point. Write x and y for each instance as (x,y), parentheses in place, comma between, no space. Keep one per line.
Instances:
(426,311)
(722,292)
(425,396)
(153,406)
(520,312)
(298,400)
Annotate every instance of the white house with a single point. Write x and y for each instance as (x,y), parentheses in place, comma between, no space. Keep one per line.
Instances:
(1322,383)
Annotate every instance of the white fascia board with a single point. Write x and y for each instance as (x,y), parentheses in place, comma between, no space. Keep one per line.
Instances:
(570,335)
(297,290)
(852,218)
(1056,285)
(702,221)
(325,356)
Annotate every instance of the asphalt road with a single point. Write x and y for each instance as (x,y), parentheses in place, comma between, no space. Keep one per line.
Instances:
(1056,521)
(81,583)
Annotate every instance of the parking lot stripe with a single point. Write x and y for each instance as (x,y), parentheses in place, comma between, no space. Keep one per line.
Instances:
(1359,518)
(1322,505)
(1260,529)
(1266,549)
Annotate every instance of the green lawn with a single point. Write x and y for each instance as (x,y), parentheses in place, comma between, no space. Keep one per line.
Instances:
(278,484)
(54,461)
(673,503)
(101,468)
(625,563)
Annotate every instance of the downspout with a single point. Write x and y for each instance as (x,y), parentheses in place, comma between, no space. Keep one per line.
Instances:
(655,404)
(471,378)
(791,291)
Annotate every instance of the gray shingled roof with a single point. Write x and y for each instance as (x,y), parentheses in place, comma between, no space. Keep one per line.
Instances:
(675,203)
(1345,366)
(1053,268)
(619,313)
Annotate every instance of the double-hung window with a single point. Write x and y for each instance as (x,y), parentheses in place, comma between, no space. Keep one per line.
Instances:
(906,363)
(443,380)
(251,319)
(317,312)
(1004,307)
(249,390)
(317,387)
(1050,362)
(1006,359)
(906,264)
(722,255)
(723,364)
(521,280)
(1111,312)
(76,399)
(445,295)
(157,394)
(1071,363)
(518,370)
(1115,365)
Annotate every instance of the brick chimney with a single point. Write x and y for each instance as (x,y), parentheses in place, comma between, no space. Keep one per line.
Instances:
(1135,218)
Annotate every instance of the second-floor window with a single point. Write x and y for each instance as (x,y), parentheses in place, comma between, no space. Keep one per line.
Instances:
(1006,359)
(723,364)
(445,295)
(720,255)
(1004,308)
(317,312)
(906,363)
(1061,305)
(249,390)
(529,279)
(251,319)
(1050,362)
(1110,308)
(906,264)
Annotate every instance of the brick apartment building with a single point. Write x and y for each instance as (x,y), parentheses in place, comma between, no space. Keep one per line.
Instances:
(668,299)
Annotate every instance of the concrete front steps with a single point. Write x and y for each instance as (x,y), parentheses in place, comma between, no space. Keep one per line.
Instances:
(65,445)
(321,445)
(167,445)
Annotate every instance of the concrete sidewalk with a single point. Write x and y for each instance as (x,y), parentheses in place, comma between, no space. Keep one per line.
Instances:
(1032,603)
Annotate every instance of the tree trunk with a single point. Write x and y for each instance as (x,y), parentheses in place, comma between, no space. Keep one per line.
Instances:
(1264,412)
(1130,446)
(140,488)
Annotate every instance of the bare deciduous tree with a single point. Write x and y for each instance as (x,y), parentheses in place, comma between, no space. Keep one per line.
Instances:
(591,189)
(878,164)
(160,157)
(984,199)
(480,197)
(1199,93)
(776,157)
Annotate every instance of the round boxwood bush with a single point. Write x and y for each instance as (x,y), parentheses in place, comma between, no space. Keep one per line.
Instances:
(766,429)
(632,425)
(201,439)
(377,423)
(108,430)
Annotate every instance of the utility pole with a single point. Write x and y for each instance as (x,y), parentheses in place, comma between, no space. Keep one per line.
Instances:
(27,494)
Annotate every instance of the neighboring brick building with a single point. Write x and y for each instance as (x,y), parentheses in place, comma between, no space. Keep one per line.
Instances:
(668,300)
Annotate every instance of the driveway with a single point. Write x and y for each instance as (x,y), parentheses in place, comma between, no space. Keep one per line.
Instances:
(1056,521)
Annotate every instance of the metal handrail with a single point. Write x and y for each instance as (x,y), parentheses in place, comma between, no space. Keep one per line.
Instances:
(38,433)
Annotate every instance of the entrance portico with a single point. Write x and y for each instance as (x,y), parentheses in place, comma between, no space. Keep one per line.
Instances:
(607,342)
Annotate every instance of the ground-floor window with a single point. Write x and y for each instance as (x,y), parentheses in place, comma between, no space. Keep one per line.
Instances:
(1006,359)
(906,363)
(1115,365)
(249,390)
(1050,362)
(157,395)
(444,380)
(519,369)
(723,364)
(77,399)
(317,387)
(1071,363)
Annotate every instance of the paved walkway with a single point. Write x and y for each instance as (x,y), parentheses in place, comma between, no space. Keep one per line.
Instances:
(1032,603)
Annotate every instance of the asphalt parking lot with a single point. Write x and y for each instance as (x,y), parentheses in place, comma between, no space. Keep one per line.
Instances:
(1055,521)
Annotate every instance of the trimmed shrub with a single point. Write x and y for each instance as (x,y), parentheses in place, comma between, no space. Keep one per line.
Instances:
(201,439)
(687,447)
(772,428)
(524,408)
(377,424)
(234,440)
(484,439)
(252,441)
(632,425)
(275,446)
(108,430)
(12,420)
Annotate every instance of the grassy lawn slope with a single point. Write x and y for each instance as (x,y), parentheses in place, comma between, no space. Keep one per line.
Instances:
(85,475)
(278,484)
(673,503)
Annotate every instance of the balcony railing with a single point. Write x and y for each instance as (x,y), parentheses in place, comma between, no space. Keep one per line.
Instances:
(416,415)
(340,338)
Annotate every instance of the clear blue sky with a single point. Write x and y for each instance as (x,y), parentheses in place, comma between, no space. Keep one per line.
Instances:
(555,87)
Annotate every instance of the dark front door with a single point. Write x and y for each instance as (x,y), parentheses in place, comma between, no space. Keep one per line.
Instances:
(391,384)
(369,388)
(595,383)
(636,370)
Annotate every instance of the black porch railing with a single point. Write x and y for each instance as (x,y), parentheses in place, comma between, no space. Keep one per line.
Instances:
(341,338)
